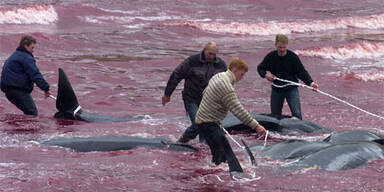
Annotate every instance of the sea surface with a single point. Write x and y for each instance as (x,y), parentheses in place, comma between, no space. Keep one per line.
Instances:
(119,55)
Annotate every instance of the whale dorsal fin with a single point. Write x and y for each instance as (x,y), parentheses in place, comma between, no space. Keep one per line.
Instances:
(66,98)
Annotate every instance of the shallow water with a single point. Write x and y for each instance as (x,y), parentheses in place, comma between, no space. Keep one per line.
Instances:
(118,57)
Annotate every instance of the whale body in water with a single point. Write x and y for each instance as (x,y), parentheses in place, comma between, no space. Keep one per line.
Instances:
(116,143)
(339,151)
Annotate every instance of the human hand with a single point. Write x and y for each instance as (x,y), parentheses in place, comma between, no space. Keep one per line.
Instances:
(47,94)
(270,77)
(314,86)
(260,129)
(165,99)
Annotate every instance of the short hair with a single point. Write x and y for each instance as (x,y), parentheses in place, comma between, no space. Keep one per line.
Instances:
(211,44)
(27,40)
(238,63)
(281,38)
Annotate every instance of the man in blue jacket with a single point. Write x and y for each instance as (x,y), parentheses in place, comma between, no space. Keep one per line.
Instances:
(19,75)
(196,70)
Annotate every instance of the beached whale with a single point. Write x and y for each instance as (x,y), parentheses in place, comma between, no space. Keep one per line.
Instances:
(114,143)
(339,151)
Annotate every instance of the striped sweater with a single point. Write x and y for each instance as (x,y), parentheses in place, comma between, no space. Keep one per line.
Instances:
(219,97)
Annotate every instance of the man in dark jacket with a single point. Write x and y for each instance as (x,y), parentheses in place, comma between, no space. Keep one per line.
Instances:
(284,64)
(196,70)
(19,75)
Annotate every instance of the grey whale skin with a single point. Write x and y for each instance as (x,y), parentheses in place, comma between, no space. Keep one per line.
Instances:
(115,143)
(339,151)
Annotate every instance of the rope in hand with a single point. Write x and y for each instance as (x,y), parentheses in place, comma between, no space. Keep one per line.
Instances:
(265,138)
(326,94)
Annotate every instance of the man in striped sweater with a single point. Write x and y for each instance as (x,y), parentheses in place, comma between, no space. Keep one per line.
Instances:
(219,97)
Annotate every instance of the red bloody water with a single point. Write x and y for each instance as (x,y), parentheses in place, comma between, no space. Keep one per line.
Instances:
(118,56)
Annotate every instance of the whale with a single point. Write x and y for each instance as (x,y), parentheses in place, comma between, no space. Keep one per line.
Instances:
(343,156)
(352,135)
(68,108)
(115,143)
(275,123)
(291,149)
(339,151)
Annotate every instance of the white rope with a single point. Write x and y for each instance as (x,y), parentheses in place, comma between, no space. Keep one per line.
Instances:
(265,138)
(53,97)
(76,110)
(226,132)
(329,95)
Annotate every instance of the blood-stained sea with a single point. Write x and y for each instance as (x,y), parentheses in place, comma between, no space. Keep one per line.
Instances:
(119,55)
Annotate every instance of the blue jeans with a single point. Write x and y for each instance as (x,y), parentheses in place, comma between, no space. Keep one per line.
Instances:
(293,100)
(22,100)
(191,109)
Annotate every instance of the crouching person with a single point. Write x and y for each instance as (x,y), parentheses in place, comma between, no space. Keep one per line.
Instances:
(219,97)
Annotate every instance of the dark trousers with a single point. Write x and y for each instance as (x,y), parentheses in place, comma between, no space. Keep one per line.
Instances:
(220,148)
(293,100)
(22,100)
(192,131)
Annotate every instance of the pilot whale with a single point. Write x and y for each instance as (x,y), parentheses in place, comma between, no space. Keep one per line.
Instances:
(69,108)
(339,151)
(282,124)
(115,143)
(348,155)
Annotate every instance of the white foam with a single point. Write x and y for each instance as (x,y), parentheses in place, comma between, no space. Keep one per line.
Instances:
(276,135)
(364,76)
(127,19)
(369,50)
(38,14)
(270,28)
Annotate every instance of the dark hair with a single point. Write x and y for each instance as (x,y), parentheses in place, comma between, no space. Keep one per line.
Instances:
(27,40)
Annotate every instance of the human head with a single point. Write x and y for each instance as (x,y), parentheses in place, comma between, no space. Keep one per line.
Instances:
(238,67)
(28,42)
(281,44)
(210,51)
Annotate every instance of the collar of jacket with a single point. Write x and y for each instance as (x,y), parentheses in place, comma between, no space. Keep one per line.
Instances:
(22,49)
(203,60)
(231,76)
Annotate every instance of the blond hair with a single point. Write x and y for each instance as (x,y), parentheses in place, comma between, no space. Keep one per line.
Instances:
(238,63)
(281,38)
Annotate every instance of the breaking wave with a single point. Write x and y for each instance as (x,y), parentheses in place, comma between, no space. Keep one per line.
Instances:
(368,50)
(270,28)
(37,14)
